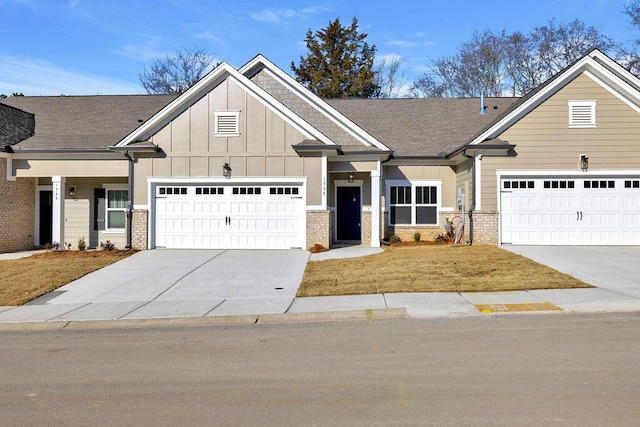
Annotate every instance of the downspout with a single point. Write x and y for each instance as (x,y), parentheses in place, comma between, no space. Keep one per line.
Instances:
(472,205)
(130,201)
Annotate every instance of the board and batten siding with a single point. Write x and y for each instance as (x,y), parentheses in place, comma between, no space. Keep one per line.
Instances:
(262,149)
(544,139)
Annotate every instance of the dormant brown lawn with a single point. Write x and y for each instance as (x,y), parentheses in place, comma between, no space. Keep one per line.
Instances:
(24,279)
(432,268)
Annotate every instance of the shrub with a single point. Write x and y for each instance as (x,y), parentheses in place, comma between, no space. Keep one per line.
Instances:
(395,239)
(416,237)
(442,238)
(82,245)
(108,246)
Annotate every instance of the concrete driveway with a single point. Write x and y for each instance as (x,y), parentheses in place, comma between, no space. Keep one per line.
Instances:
(181,283)
(615,270)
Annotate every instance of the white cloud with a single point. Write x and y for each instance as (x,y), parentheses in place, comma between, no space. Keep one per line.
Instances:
(140,52)
(35,77)
(280,16)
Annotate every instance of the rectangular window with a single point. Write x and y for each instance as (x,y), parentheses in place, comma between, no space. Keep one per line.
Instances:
(116,208)
(413,203)
(227,123)
(582,114)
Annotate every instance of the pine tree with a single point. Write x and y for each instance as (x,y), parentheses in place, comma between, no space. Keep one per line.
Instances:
(339,63)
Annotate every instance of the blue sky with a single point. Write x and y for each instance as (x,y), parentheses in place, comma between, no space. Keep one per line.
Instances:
(87,47)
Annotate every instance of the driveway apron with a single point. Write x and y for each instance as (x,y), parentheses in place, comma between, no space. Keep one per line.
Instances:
(614,268)
(177,283)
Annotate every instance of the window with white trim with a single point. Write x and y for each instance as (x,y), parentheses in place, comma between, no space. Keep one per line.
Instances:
(582,114)
(227,123)
(413,202)
(116,205)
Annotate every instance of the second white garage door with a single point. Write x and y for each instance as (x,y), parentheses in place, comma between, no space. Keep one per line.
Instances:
(570,211)
(230,216)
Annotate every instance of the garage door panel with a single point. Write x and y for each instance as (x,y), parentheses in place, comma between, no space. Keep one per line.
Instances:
(230,216)
(570,211)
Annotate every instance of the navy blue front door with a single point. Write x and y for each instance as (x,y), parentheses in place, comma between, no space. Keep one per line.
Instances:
(348,213)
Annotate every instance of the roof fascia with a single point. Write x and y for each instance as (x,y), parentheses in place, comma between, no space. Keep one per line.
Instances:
(331,113)
(66,155)
(580,66)
(193,94)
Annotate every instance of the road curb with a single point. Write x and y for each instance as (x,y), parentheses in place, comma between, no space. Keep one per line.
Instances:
(335,316)
(265,319)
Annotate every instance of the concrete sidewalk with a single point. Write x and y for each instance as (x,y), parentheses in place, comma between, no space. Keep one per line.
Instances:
(281,305)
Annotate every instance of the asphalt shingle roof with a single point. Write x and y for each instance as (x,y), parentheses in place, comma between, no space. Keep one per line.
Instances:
(85,122)
(422,126)
(15,125)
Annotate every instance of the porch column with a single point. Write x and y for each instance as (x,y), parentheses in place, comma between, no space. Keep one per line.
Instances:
(375,207)
(57,227)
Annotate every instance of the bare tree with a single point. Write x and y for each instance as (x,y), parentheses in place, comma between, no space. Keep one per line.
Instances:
(498,64)
(176,74)
(478,68)
(629,55)
(390,77)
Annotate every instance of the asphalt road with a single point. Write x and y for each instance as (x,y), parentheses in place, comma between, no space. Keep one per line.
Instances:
(554,369)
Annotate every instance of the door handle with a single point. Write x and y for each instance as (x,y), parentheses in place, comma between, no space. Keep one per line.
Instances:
(579,218)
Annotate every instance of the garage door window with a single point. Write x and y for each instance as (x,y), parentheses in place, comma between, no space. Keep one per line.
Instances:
(116,208)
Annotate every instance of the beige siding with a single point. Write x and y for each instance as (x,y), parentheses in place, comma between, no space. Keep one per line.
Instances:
(464,173)
(416,172)
(544,140)
(263,148)
(70,168)
(79,214)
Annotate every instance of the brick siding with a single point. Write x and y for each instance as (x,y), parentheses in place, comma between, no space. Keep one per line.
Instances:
(17,212)
(318,228)
(139,227)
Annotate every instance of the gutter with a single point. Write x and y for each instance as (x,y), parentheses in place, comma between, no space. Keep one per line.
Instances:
(472,207)
(127,150)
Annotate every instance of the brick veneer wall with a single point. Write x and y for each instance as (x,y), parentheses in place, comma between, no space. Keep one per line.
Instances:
(140,231)
(485,227)
(318,228)
(17,212)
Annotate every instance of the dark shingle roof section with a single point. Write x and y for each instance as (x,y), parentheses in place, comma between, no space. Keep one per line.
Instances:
(423,126)
(85,122)
(15,125)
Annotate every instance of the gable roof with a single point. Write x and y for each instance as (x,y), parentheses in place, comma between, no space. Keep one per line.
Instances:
(596,65)
(305,103)
(16,125)
(205,85)
(84,122)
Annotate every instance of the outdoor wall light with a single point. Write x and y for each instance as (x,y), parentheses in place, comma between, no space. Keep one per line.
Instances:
(72,191)
(350,177)
(584,162)
(226,170)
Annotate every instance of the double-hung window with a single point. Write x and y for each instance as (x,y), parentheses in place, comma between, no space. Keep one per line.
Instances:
(116,205)
(413,202)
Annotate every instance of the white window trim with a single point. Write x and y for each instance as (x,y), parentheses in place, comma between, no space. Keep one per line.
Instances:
(234,114)
(591,104)
(113,187)
(413,184)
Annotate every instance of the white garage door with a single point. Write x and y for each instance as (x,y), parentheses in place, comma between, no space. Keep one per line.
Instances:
(570,211)
(230,216)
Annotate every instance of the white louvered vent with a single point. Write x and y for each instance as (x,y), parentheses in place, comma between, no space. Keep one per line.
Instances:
(227,123)
(582,113)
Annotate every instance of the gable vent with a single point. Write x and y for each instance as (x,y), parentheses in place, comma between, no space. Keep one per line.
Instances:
(227,123)
(582,113)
